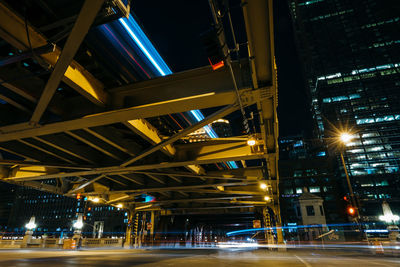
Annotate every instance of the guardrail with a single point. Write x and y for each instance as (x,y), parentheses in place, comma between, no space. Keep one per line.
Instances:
(62,243)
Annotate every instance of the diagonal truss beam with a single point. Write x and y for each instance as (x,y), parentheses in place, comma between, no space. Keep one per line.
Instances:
(81,27)
(148,132)
(219,114)
(12,30)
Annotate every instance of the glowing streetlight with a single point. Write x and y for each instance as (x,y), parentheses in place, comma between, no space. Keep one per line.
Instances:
(120,206)
(263,186)
(251,141)
(267,198)
(96,200)
(78,225)
(31,225)
(79,222)
(345,137)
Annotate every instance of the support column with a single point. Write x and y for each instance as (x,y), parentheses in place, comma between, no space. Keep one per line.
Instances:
(268,232)
(152,221)
(130,233)
(279,233)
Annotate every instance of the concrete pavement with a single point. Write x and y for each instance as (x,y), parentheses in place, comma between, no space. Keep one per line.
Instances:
(191,257)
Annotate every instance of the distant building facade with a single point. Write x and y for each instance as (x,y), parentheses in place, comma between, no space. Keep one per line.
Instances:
(351,59)
(7,196)
(55,214)
(306,166)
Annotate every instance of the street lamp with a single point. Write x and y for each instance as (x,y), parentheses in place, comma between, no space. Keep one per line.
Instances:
(267,198)
(31,225)
(79,222)
(251,141)
(263,186)
(345,138)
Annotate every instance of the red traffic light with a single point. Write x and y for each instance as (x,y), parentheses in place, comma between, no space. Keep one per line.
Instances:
(351,211)
(346,198)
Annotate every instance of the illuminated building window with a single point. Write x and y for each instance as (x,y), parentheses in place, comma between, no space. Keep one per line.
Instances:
(382,183)
(298,173)
(310,2)
(355,151)
(331,15)
(374,148)
(299,190)
(288,191)
(315,189)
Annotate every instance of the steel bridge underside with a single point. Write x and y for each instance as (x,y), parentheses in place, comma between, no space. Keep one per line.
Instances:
(105,145)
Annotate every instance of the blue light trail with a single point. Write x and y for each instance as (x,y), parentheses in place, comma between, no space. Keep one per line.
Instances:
(140,38)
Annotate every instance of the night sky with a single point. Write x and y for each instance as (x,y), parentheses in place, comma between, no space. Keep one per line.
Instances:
(175,27)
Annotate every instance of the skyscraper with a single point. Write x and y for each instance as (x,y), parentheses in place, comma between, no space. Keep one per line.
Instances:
(350,50)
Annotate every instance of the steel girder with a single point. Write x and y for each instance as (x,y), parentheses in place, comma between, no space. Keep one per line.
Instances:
(12,30)
(139,169)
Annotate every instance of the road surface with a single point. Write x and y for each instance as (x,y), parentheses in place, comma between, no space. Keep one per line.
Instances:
(191,258)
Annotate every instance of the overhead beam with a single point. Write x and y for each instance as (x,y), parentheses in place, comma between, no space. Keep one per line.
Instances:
(93,145)
(108,141)
(181,85)
(121,115)
(225,192)
(37,163)
(46,151)
(258,18)
(149,133)
(131,179)
(82,186)
(155,178)
(172,188)
(218,151)
(14,103)
(85,19)
(219,114)
(163,202)
(63,149)
(131,169)
(189,175)
(18,91)
(12,30)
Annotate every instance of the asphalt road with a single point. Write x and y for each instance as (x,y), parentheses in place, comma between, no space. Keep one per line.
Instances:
(191,258)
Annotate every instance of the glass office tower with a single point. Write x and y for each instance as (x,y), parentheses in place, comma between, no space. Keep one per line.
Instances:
(350,50)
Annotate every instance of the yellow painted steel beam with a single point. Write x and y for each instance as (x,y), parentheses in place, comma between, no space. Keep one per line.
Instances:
(214,150)
(179,85)
(148,132)
(216,115)
(82,25)
(172,188)
(137,112)
(91,144)
(12,30)
(117,170)
(258,19)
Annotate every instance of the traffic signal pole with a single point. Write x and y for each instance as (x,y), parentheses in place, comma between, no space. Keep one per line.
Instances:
(352,197)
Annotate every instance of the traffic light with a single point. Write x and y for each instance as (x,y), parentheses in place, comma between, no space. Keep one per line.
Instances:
(351,211)
(215,47)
